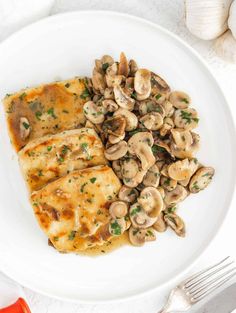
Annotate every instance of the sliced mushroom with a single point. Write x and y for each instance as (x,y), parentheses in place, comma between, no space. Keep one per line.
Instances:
(152,121)
(159,85)
(110,105)
(140,145)
(128,194)
(152,178)
(185,143)
(93,112)
(123,65)
(114,125)
(112,77)
(25,128)
(168,108)
(201,179)
(151,201)
(118,209)
(136,180)
(131,118)
(186,118)
(179,99)
(160,98)
(139,217)
(138,237)
(122,99)
(164,170)
(129,86)
(176,223)
(116,151)
(129,168)
(175,196)
(115,139)
(150,106)
(117,168)
(142,83)
(98,81)
(162,191)
(133,67)
(180,170)
(193,165)
(160,224)
(108,93)
(168,124)
(117,226)
(168,183)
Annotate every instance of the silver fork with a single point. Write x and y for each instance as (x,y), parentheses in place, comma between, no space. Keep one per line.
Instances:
(198,286)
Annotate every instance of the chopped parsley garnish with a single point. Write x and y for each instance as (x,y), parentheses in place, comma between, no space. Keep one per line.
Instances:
(61,159)
(67,85)
(167,182)
(188,117)
(185,100)
(207,174)
(195,160)
(72,235)
(82,187)
(135,211)
(65,111)
(22,96)
(99,212)
(49,148)
(171,209)
(149,233)
(26,125)
(40,173)
(93,179)
(55,238)
(158,96)
(109,197)
(64,149)
(134,95)
(84,147)
(85,94)
(156,149)
(135,232)
(51,112)
(116,228)
(105,66)
(38,114)
(195,186)
(133,132)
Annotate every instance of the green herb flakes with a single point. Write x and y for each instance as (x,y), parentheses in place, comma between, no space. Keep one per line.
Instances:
(51,112)
(116,228)
(93,179)
(72,235)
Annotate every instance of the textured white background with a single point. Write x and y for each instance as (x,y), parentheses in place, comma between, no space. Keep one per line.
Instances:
(169,14)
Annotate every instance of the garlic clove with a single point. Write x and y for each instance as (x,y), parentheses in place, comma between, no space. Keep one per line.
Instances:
(232,19)
(225,47)
(207,19)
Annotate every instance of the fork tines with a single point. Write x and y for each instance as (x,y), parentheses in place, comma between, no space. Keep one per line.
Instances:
(204,282)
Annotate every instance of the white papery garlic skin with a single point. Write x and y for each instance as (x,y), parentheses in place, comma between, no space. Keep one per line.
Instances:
(225,47)
(207,19)
(232,19)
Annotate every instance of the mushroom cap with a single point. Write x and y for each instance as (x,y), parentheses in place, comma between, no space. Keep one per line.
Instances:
(176,223)
(138,237)
(129,168)
(168,108)
(185,143)
(93,112)
(180,170)
(128,194)
(142,83)
(186,118)
(175,196)
(114,125)
(123,68)
(139,217)
(151,201)
(110,105)
(140,145)
(131,118)
(201,179)
(118,209)
(168,183)
(133,67)
(152,121)
(136,180)
(179,99)
(159,85)
(98,81)
(117,226)
(116,151)
(122,99)
(152,178)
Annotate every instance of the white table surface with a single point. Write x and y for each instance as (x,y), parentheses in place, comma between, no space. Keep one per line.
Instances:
(169,14)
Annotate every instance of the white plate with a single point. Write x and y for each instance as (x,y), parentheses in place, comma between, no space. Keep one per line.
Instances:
(64,46)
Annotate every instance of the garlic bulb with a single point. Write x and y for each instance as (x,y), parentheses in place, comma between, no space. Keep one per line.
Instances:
(232,19)
(225,46)
(207,19)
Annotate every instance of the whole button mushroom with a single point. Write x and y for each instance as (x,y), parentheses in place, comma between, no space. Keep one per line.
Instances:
(128,194)
(117,226)
(139,217)
(116,151)
(201,179)
(93,112)
(138,237)
(179,99)
(186,118)
(140,145)
(118,209)
(151,201)
(129,168)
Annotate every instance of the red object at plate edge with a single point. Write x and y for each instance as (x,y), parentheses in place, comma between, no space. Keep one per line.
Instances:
(20,306)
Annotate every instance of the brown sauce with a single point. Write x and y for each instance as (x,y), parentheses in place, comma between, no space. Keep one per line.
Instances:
(111,245)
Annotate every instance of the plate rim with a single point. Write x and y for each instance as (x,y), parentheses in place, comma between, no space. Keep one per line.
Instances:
(231,124)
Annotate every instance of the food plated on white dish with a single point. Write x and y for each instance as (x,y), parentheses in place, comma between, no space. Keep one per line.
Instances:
(53,157)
